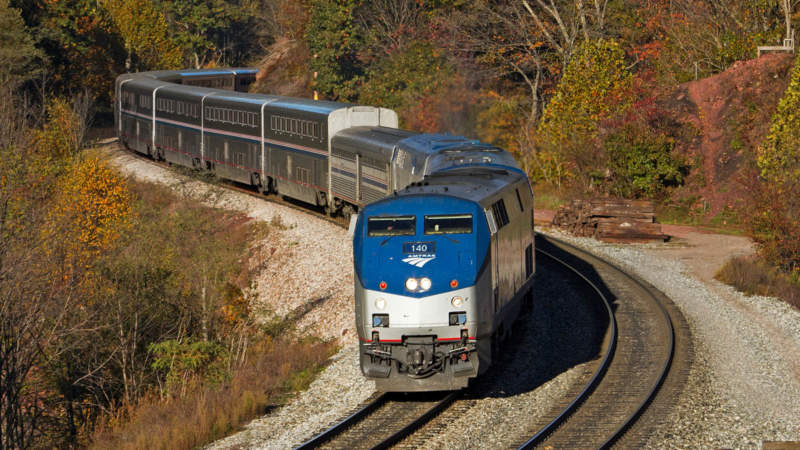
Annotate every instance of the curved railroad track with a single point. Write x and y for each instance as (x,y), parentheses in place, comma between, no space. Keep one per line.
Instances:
(642,364)
(646,352)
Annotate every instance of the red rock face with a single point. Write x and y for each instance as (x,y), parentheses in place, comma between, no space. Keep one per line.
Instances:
(723,119)
(284,71)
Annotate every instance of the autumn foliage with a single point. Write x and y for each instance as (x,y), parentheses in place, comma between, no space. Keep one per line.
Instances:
(775,223)
(91,211)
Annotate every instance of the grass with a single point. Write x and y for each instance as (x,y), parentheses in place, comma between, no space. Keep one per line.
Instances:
(753,277)
(692,213)
(274,370)
(547,197)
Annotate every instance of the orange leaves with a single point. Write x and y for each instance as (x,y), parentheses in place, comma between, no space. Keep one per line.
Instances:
(91,212)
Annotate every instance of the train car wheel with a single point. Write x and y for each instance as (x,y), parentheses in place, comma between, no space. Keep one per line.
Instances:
(348,211)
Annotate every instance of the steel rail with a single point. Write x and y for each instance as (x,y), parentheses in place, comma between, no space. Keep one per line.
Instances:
(596,379)
(418,422)
(554,424)
(337,429)
(598,374)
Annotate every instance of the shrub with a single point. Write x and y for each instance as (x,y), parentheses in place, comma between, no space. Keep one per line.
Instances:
(641,163)
(754,277)
(273,369)
(774,223)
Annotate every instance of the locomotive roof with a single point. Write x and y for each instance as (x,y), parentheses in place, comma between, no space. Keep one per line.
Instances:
(474,183)
(434,143)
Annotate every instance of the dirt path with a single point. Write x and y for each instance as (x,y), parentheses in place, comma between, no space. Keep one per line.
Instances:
(702,252)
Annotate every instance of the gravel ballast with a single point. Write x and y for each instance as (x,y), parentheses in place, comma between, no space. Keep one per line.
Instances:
(744,387)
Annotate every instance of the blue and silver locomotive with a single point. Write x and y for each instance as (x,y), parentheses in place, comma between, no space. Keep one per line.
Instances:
(442,268)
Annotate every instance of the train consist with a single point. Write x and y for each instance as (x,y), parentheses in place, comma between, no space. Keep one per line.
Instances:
(443,240)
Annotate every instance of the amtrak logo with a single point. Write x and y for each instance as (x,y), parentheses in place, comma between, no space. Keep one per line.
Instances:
(419,261)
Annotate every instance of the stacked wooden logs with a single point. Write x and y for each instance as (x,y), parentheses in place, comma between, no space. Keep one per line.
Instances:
(610,220)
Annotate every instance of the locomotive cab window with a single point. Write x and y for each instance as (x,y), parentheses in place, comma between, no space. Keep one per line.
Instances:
(392,226)
(448,224)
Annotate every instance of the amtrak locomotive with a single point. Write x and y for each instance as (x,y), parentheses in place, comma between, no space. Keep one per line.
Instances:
(443,242)
(441,270)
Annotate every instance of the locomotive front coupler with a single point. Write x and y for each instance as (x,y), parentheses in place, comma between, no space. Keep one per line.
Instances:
(419,354)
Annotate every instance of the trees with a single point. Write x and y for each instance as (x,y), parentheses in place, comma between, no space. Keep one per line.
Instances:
(20,60)
(38,297)
(82,49)
(219,32)
(144,30)
(775,225)
(595,85)
(333,40)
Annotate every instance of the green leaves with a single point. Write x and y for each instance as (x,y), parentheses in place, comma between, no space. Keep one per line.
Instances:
(333,38)
(400,79)
(145,33)
(594,84)
(184,363)
(18,55)
(774,226)
(641,163)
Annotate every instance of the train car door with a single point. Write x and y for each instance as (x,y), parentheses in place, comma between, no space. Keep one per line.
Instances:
(400,170)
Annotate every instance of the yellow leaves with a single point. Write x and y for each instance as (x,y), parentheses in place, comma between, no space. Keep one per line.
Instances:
(146,33)
(591,83)
(61,135)
(779,155)
(91,212)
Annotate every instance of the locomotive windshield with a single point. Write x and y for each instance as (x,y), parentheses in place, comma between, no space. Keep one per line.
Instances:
(448,224)
(392,226)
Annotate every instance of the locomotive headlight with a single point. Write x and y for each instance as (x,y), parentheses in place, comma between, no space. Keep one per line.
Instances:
(411,284)
(457,301)
(380,303)
(425,284)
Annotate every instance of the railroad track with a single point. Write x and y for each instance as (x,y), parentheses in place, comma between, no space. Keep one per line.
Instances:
(383,422)
(645,351)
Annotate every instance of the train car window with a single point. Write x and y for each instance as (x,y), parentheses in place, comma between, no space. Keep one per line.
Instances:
(392,226)
(448,224)
(500,213)
(519,199)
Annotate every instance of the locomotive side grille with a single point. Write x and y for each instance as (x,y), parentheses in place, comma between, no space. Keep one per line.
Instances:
(343,186)
(343,181)
(370,194)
